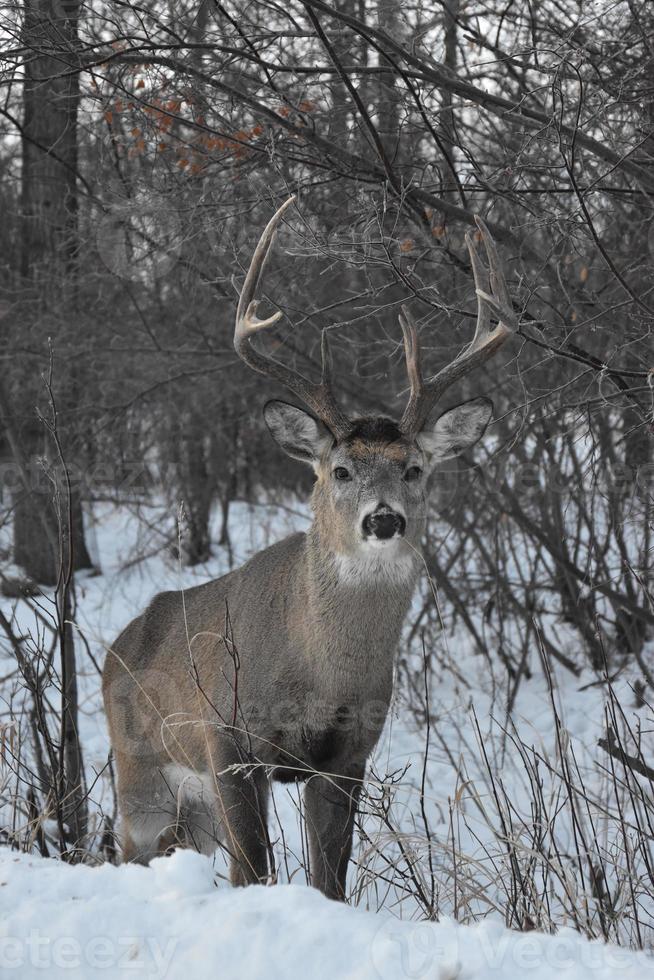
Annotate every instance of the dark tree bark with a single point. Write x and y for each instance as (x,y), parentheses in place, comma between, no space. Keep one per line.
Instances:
(49,145)
(198,502)
(194,484)
(49,246)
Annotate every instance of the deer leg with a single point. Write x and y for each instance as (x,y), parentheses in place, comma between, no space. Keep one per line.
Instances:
(242,810)
(148,810)
(146,834)
(330,804)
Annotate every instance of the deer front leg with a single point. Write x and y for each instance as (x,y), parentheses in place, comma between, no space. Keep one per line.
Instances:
(242,803)
(330,804)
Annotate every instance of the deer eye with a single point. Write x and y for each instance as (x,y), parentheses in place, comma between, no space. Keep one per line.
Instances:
(340,473)
(413,473)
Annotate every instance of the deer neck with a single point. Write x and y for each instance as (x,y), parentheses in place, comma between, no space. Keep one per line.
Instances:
(360,594)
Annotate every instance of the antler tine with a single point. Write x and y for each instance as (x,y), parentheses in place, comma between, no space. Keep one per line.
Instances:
(413,360)
(318,397)
(246,320)
(492,298)
(481,289)
(499,299)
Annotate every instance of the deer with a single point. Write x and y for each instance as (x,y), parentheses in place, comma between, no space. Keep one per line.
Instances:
(283,668)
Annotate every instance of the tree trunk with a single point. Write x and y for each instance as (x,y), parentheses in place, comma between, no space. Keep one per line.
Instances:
(195,486)
(49,245)
(49,146)
(72,782)
(390,95)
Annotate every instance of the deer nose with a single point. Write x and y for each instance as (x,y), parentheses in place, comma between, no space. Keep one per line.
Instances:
(383,523)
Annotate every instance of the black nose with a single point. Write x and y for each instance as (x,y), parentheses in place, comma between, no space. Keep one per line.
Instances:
(383,524)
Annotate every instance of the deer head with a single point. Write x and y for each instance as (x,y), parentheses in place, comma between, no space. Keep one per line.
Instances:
(370,492)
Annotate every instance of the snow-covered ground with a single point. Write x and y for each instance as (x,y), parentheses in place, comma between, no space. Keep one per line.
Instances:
(447,838)
(170,921)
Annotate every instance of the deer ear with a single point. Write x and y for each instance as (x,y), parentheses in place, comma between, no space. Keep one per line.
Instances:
(456,430)
(299,434)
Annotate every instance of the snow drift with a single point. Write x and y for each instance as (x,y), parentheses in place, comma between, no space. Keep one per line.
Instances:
(171,921)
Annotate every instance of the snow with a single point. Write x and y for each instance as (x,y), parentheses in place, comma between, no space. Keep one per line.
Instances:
(171,921)
(178,917)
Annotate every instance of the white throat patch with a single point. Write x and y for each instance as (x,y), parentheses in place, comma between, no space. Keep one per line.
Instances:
(377,562)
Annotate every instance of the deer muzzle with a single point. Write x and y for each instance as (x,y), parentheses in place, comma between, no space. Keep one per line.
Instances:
(383,523)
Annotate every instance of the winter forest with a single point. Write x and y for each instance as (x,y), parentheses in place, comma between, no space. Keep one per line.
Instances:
(441,154)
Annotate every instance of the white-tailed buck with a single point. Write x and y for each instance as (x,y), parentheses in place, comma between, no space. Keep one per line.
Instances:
(283,668)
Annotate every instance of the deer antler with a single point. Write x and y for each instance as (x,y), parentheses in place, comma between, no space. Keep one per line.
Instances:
(492,297)
(318,397)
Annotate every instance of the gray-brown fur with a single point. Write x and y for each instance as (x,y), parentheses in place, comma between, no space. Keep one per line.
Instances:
(282,668)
